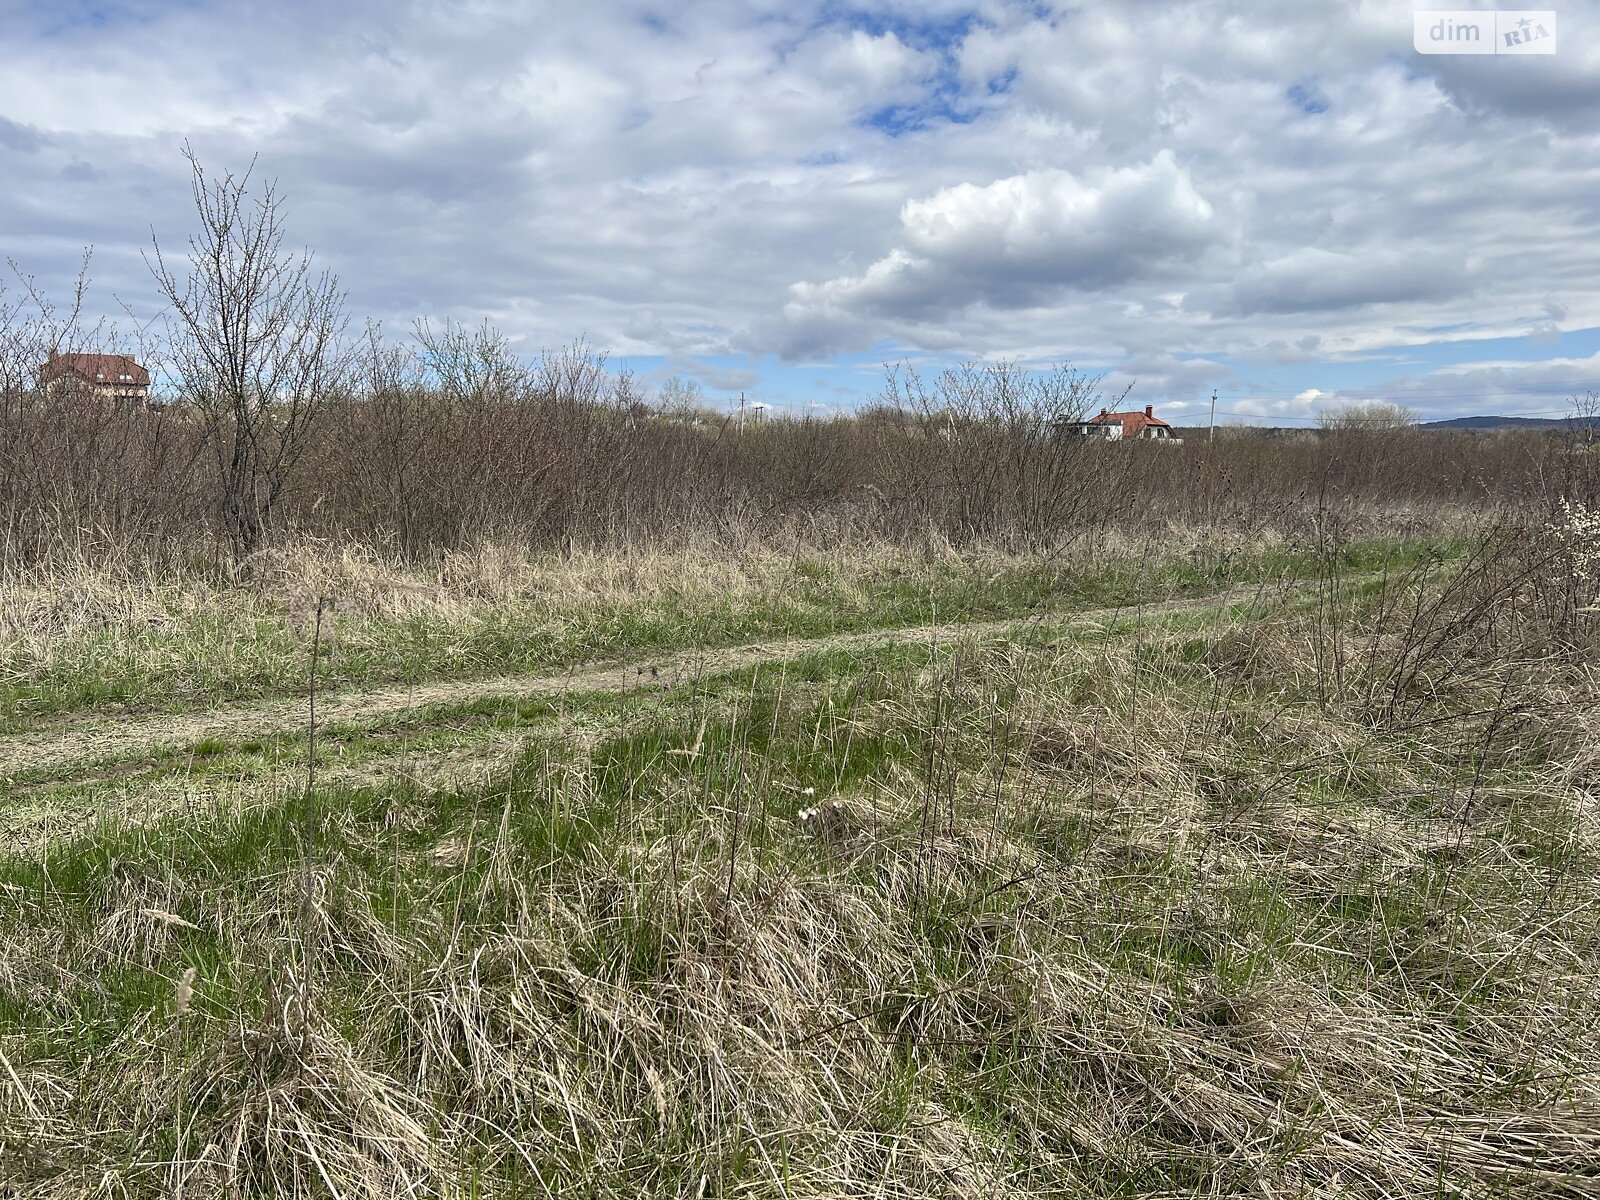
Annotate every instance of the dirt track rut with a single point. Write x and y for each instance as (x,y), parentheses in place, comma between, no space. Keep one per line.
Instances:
(85,741)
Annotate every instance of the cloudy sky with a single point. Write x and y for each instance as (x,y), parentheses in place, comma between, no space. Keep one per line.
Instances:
(1284,203)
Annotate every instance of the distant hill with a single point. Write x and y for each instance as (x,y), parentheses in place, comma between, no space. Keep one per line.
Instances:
(1499,423)
(1471,424)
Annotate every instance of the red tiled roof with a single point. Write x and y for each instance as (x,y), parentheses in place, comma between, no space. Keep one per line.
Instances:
(1133,423)
(98,368)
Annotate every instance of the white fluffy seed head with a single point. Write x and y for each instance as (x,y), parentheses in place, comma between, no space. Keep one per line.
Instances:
(184,993)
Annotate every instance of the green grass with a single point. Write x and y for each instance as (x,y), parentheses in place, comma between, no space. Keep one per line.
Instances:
(1097,911)
(246,645)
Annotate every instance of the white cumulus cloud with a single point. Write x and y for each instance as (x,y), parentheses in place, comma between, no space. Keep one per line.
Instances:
(1014,243)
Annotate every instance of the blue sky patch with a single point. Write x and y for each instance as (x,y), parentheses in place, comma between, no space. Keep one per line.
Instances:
(1308,98)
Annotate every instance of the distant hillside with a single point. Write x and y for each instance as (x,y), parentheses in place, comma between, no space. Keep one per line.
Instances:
(1499,423)
(1478,423)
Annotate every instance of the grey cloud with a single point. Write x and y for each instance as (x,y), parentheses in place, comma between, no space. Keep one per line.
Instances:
(23,139)
(1562,90)
(1167,378)
(1313,280)
(1012,243)
(724,379)
(1537,388)
(1128,180)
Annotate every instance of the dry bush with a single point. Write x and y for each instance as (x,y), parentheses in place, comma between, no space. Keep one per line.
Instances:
(451,438)
(457,440)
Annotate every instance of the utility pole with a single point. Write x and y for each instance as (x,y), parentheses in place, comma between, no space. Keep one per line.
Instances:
(1212,436)
(741,412)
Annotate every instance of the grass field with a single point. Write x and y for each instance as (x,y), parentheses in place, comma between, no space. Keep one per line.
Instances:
(1185,869)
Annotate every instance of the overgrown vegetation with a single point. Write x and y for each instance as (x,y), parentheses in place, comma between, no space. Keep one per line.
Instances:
(1053,820)
(1290,900)
(566,458)
(124,635)
(437,445)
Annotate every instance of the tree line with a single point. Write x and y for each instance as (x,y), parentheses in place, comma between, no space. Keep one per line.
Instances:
(285,422)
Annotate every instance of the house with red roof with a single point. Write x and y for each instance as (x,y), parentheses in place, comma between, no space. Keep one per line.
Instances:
(111,376)
(1122,427)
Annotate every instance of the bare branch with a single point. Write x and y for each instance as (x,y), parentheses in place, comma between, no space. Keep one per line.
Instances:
(257,342)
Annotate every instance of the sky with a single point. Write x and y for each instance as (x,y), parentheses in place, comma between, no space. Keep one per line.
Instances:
(1284,204)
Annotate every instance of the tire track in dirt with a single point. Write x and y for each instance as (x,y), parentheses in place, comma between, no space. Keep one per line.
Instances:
(57,749)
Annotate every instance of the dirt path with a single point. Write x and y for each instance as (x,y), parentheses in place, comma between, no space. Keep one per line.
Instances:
(109,739)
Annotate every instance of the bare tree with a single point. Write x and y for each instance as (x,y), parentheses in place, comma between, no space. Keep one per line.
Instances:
(982,455)
(1379,416)
(472,367)
(682,399)
(1586,417)
(255,342)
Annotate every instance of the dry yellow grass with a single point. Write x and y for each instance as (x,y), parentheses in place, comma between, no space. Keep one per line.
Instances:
(1238,906)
